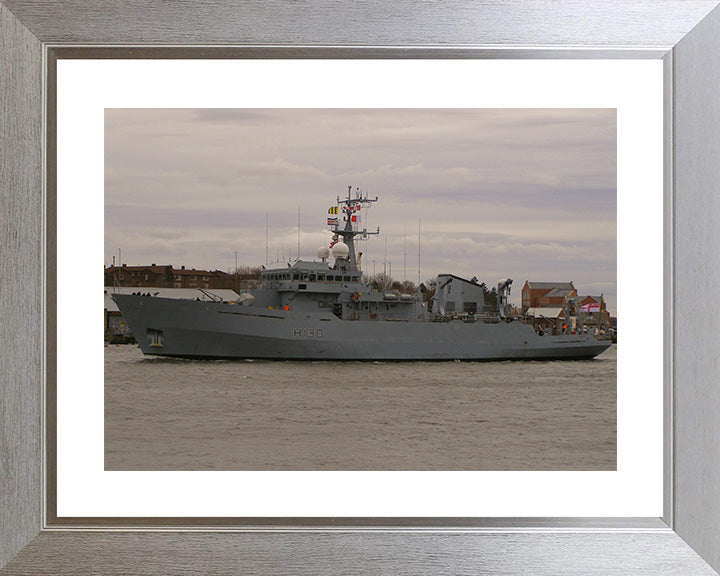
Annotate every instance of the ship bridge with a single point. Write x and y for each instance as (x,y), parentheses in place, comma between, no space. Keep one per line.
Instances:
(302,271)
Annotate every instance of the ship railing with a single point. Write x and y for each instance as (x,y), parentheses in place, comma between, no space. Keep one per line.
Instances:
(465,317)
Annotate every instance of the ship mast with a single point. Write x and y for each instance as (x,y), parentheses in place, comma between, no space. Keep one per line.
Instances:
(350,208)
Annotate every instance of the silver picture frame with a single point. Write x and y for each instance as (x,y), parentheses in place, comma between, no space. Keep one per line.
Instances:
(685,34)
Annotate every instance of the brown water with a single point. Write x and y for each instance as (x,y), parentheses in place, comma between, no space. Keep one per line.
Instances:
(168,414)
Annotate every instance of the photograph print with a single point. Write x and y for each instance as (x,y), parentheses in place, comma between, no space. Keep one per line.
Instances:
(360,289)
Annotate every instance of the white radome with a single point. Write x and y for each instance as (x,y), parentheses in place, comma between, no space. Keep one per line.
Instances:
(323,252)
(340,250)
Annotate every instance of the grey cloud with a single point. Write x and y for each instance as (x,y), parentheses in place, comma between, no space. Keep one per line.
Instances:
(522,193)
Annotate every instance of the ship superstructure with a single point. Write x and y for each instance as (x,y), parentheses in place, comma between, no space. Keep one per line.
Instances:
(326,310)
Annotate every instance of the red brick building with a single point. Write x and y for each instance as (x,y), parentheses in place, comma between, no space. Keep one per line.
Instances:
(546,294)
(593,310)
(167,277)
(592,304)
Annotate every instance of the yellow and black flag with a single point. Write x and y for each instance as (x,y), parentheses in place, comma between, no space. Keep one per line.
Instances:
(333,210)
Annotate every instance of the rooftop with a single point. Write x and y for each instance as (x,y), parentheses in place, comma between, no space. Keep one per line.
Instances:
(155,269)
(546,312)
(550,285)
(557,292)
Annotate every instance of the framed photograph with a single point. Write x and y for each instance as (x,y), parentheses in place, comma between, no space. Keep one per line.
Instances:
(74,113)
(535,173)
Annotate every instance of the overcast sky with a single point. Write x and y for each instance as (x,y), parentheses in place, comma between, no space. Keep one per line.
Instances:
(524,194)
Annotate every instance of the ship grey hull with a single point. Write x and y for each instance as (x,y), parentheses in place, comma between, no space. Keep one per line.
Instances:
(185,328)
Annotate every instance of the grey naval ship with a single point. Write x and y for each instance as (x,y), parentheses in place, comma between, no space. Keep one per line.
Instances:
(325,310)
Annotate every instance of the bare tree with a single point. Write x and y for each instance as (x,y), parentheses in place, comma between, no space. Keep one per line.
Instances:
(381,281)
(409,287)
(169,277)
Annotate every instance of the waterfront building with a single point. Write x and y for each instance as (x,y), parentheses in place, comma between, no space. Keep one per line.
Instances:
(594,311)
(546,294)
(165,276)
